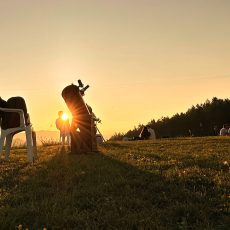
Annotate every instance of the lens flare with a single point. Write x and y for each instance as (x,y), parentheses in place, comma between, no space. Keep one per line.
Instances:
(65,116)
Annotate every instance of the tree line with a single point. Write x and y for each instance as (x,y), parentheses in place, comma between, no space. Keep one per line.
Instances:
(201,120)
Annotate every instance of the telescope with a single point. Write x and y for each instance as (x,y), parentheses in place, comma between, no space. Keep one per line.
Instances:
(82,130)
(80,84)
(81,87)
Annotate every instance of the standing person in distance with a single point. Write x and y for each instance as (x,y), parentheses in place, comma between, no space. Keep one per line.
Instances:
(63,125)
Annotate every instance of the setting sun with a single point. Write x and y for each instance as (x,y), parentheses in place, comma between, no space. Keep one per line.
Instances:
(65,116)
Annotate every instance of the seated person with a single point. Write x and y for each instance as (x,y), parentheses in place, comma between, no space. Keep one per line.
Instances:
(2,105)
(145,134)
(224,131)
(229,132)
(152,133)
(12,120)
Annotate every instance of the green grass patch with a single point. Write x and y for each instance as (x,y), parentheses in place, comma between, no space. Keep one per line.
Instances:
(179,183)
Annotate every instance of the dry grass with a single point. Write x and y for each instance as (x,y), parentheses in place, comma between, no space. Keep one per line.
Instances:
(167,184)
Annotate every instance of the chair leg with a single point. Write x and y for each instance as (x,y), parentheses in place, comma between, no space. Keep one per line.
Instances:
(9,139)
(29,143)
(2,140)
(34,144)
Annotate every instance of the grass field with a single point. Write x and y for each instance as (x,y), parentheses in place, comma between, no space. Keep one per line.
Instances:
(179,183)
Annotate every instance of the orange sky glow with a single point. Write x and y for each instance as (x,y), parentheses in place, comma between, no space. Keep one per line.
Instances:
(143,59)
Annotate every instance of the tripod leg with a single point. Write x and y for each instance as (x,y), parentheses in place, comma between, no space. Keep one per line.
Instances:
(101,134)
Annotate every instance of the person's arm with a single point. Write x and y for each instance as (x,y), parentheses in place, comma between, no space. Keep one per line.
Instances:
(57,124)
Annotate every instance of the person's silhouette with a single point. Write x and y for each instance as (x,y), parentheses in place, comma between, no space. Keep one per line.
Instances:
(63,126)
(145,134)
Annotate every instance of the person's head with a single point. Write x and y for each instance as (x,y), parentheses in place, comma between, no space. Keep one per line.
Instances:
(2,102)
(60,113)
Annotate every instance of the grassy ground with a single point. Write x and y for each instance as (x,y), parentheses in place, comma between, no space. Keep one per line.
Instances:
(166,184)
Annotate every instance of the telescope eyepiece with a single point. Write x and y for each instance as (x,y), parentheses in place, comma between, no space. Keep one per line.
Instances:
(80,83)
(85,88)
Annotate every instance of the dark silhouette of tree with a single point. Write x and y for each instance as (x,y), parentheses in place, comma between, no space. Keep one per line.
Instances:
(200,120)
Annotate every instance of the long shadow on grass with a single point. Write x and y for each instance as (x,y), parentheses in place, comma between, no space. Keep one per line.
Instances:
(97,191)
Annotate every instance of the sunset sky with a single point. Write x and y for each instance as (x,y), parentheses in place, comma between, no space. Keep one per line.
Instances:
(143,59)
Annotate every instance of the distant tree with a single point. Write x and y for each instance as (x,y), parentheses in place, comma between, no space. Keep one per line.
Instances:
(200,120)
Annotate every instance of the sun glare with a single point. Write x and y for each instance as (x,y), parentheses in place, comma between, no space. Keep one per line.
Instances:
(65,116)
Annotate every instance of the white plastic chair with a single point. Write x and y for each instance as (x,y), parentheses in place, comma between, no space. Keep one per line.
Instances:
(7,136)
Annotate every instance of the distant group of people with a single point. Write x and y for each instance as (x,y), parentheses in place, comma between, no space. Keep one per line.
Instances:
(225,131)
(147,133)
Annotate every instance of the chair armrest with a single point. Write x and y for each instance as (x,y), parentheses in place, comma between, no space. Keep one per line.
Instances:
(19,111)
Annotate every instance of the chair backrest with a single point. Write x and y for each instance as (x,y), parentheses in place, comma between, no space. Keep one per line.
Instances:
(12,120)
